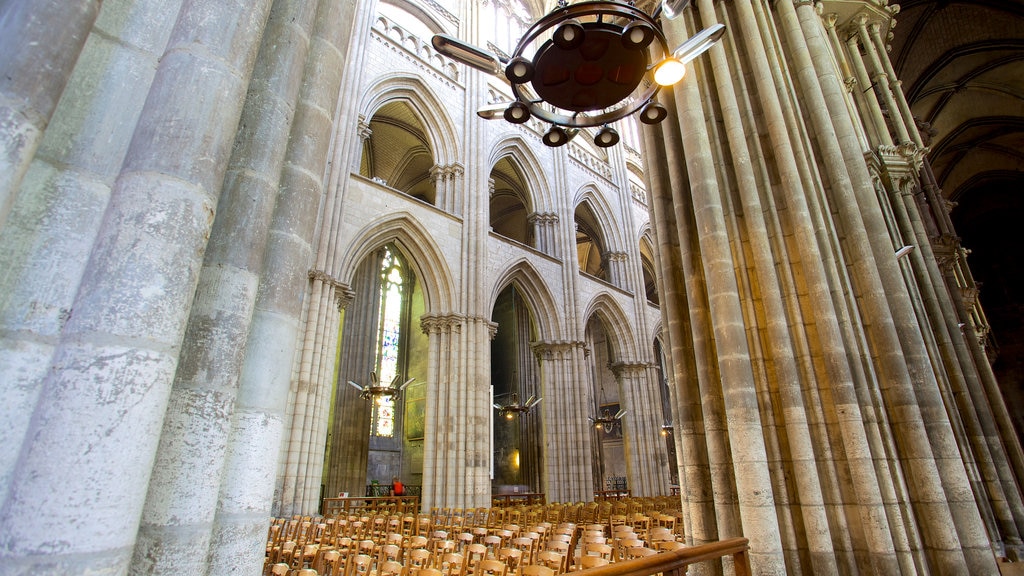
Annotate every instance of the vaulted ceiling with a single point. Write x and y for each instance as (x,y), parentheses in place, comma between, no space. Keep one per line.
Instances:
(962,67)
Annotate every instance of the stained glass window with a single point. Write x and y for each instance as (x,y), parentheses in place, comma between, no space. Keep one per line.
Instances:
(389,331)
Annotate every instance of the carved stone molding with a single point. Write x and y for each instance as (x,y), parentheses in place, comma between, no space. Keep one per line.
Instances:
(556,350)
(442,323)
(343,294)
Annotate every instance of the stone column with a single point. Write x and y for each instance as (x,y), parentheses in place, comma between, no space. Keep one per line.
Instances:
(872,111)
(120,348)
(58,212)
(881,81)
(40,42)
(646,462)
(615,263)
(951,527)
(754,501)
(545,231)
(260,419)
(695,445)
(446,461)
(175,531)
(895,84)
(568,466)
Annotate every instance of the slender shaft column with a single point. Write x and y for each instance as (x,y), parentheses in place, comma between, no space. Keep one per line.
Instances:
(881,81)
(568,463)
(645,452)
(58,211)
(121,345)
(872,110)
(895,84)
(40,42)
(692,446)
(616,265)
(545,231)
(748,453)
(180,506)
(446,429)
(948,517)
(246,490)
(998,481)
(782,354)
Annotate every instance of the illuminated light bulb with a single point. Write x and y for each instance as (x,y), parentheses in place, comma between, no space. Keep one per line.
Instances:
(669,71)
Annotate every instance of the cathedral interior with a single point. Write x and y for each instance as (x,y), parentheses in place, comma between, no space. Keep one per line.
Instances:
(262,253)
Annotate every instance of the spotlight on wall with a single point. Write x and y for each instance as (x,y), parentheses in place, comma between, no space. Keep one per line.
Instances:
(904,251)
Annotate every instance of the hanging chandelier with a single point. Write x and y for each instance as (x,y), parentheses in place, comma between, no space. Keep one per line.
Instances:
(606,421)
(587,64)
(377,390)
(510,410)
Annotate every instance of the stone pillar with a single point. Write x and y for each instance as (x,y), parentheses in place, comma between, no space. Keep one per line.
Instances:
(646,461)
(568,466)
(58,212)
(895,84)
(695,446)
(872,111)
(260,420)
(881,81)
(120,347)
(446,182)
(448,465)
(953,534)
(175,531)
(545,231)
(616,265)
(40,42)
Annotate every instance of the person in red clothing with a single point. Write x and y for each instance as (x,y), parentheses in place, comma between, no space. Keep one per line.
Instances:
(397,489)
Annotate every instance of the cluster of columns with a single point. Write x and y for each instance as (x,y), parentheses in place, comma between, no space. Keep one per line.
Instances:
(837,426)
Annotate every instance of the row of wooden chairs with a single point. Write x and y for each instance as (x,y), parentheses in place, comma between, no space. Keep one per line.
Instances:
(561,548)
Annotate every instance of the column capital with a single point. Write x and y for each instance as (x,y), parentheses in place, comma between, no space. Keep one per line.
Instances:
(556,349)
(629,368)
(439,323)
(343,293)
(541,218)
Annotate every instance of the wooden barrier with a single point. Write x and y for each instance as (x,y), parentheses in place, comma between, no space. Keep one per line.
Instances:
(674,562)
(517,498)
(364,505)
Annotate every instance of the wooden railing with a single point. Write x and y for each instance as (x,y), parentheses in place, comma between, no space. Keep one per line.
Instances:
(674,562)
(371,505)
(515,498)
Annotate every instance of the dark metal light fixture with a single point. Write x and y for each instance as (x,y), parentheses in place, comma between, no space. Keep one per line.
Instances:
(588,64)
(375,389)
(606,421)
(510,410)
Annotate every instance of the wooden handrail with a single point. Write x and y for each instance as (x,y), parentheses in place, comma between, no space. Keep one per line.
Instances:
(672,561)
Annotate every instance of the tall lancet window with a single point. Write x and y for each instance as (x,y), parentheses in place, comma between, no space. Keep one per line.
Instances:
(393,292)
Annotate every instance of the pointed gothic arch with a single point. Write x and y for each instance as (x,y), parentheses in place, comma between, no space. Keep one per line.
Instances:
(425,257)
(537,295)
(431,111)
(620,329)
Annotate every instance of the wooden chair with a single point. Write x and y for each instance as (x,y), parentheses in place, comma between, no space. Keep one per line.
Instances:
(474,554)
(452,564)
(331,563)
(490,567)
(512,557)
(638,552)
(280,569)
(536,570)
(429,572)
(389,553)
(390,568)
(666,545)
(418,559)
(598,549)
(551,559)
(359,565)
(590,562)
